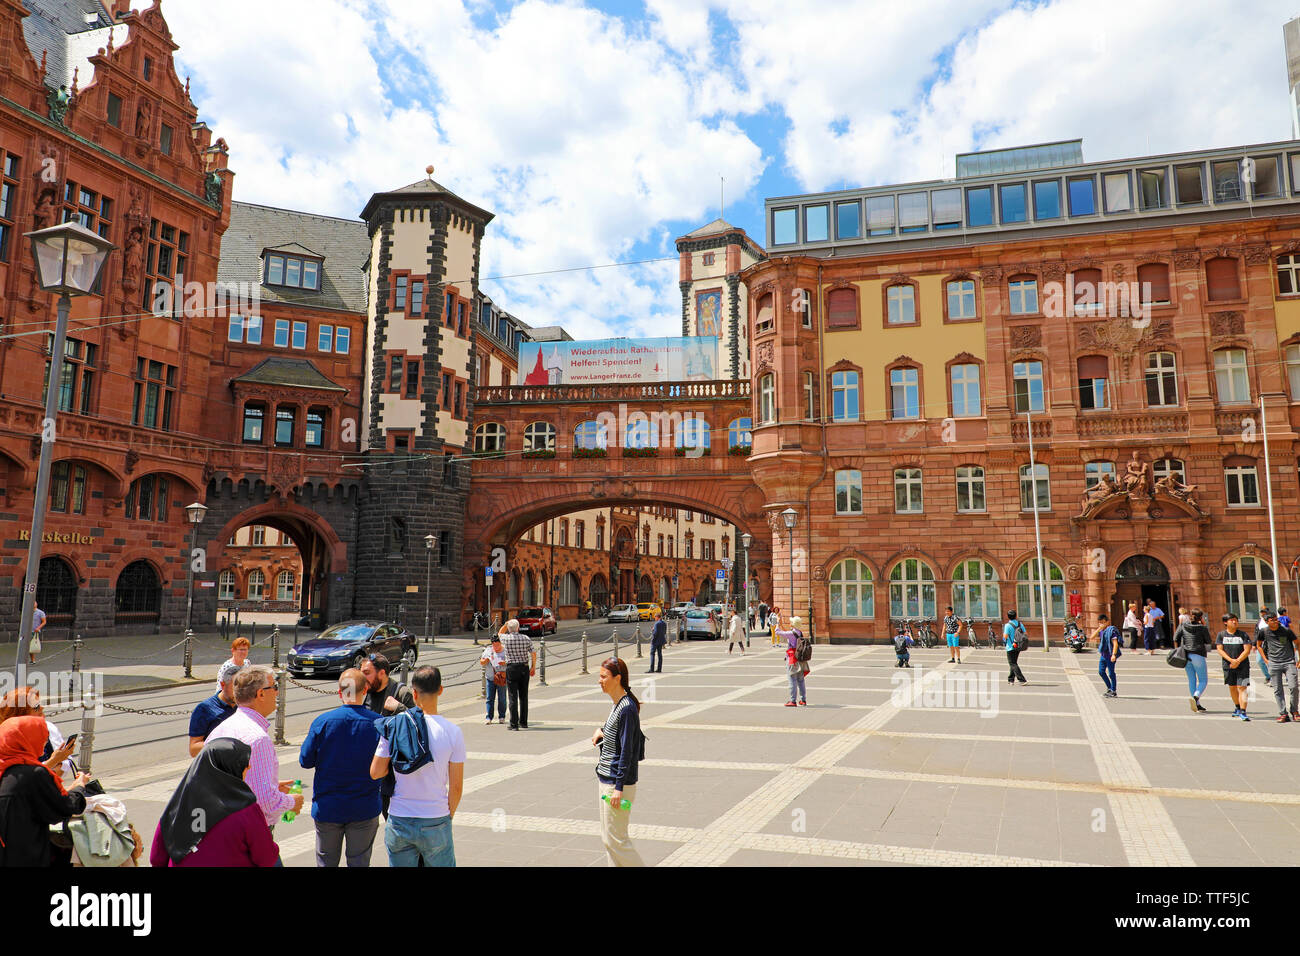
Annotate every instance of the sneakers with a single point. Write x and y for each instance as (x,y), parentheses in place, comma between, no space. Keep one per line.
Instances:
(1244,716)
(1295,716)
(952,660)
(1109,693)
(1195,705)
(1284,718)
(501,721)
(803,703)
(488,721)
(790,703)
(1236,711)
(1200,709)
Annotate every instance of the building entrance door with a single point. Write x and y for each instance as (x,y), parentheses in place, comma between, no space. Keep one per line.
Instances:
(1137,579)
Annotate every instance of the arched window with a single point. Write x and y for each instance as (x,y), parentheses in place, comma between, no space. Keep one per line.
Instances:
(591,436)
(512,589)
(693,433)
(284,586)
(256,585)
(665,590)
(56,589)
(226,586)
(147,499)
(539,436)
(570,590)
(852,592)
(739,433)
(1035,489)
(1027,590)
(767,399)
(138,596)
(599,592)
(911,589)
(489,438)
(68,488)
(975,590)
(640,433)
(1164,467)
(528,596)
(1247,587)
(645,590)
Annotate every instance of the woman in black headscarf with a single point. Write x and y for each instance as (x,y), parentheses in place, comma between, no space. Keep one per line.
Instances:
(213,819)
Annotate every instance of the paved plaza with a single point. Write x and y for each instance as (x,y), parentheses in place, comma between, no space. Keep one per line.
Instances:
(939,765)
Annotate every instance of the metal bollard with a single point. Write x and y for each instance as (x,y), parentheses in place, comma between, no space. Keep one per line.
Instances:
(282,679)
(584,652)
(189,654)
(542,679)
(638,640)
(275,646)
(87,738)
(402,667)
(252,637)
(616,642)
(482,694)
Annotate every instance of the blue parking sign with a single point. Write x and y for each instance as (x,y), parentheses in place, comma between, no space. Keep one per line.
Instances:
(722,576)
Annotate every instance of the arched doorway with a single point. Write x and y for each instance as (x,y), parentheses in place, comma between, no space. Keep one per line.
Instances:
(644,591)
(56,592)
(1138,578)
(705,593)
(599,591)
(138,597)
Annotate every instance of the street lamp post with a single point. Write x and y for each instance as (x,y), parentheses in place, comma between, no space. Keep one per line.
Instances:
(790,517)
(69,259)
(746,540)
(195,513)
(429,541)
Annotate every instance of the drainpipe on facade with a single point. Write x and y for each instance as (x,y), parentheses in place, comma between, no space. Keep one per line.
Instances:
(812,628)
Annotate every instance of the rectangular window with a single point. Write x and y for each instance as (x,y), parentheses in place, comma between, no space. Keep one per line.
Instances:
(395,373)
(275,270)
(1094,380)
(844,397)
(1227,181)
(901,301)
(282,333)
(8,192)
(816,225)
(292,271)
(417,298)
(1028,380)
(300,335)
(315,431)
(880,216)
(165,139)
(907,491)
(961,299)
(1243,486)
(155,384)
(848,223)
(945,208)
(979,206)
(1161,379)
(460,318)
(399,293)
(253,330)
(325,338)
(1024,296)
(284,422)
(1230,376)
(460,400)
(310,274)
(1118,192)
(76,375)
(1153,189)
(342,340)
(1092,472)
(412,379)
(970,488)
(913,212)
(253,417)
(114,111)
(1011,199)
(785,226)
(966,391)
(1268,178)
(1047,199)
(1083,198)
(166,264)
(905,393)
(446,391)
(1190,183)
(1035,489)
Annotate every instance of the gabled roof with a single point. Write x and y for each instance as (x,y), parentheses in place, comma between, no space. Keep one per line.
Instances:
(342,243)
(297,247)
(290,372)
(60,30)
(425,188)
(718,225)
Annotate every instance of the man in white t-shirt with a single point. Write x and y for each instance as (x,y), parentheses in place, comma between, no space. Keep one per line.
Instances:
(424,800)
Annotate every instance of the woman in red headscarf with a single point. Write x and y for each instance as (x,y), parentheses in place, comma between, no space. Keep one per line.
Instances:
(31,795)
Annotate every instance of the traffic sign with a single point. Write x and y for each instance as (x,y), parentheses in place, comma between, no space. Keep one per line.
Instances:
(721,576)
(488,575)
(674,580)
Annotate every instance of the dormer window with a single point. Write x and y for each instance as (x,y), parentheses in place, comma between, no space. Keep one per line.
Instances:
(296,272)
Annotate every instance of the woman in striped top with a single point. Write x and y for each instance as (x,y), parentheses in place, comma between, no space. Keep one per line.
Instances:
(620,746)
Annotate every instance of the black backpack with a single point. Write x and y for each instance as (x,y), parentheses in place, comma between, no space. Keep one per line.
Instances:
(802,648)
(1022,638)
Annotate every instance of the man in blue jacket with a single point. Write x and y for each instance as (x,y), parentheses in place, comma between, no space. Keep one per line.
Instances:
(1108,651)
(345,800)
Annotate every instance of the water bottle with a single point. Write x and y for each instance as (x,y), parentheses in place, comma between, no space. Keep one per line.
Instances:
(624,804)
(288,815)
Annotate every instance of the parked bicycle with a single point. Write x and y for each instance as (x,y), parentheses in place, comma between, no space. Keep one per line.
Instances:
(478,621)
(925,634)
(971,636)
(993,636)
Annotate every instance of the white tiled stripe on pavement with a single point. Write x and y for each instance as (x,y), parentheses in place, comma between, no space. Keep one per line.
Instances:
(1146,830)
(721,839)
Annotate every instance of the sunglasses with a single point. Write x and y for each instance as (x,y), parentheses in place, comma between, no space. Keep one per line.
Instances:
(274,685)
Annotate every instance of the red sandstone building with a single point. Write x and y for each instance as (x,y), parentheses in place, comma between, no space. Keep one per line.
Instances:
(894,410)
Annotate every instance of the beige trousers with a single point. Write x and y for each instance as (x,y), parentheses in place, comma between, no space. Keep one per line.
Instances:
(613,827)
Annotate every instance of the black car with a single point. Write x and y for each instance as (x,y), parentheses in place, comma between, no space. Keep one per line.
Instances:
(349,644)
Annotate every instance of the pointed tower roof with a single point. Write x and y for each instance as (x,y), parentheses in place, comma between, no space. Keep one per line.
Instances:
(422,189)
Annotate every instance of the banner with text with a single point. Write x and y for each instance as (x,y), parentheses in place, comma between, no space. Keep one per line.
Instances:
(603,361)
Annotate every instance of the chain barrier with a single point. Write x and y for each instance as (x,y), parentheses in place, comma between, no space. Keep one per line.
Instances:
(145,711)
(114,657)
(49,657)
(315,690)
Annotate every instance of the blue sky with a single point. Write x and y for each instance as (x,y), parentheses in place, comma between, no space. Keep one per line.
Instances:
(597,132)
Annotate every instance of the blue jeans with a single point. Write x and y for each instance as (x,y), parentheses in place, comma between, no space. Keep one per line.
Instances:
(656,650)
(1197,676)
(1106,668)
(411,839)
(498,694)
(796,683)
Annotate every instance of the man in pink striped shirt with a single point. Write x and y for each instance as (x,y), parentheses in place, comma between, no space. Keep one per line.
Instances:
(255,694)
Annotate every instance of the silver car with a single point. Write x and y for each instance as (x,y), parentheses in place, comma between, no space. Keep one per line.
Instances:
(700,622)
(624,614)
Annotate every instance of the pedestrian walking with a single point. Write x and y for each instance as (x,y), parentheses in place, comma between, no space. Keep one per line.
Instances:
(1151,616)
(38,624)
(493,660)
(521,665)
(345,800)
(1279,646)
(658,638)
(255,694)
(622,748)
(213,818)
(1132,626)
(1234,647)
(1016,639)
(427,754)
(212,711)
(952,633)
(239,649)
(773,622)
(1109,643)
(32,795)
(385,696)
(1260,627)
(762,615)
(736,633)
(1194,637)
